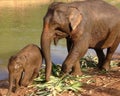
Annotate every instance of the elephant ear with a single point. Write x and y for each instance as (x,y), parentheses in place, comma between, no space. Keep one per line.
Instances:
(74,17)
(21,59)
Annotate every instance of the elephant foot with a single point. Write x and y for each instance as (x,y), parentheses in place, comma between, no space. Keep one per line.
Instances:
(25,84)
(30,82)
(99,66)
(16,90)
(106,67)
(76,73)
(8,94)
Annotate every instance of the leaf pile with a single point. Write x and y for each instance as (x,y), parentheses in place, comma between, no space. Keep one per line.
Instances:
(56,85)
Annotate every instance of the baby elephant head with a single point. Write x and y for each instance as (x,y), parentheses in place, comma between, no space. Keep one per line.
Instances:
(15,67)
(16,63)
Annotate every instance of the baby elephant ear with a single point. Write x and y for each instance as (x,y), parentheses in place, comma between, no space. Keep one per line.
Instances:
(75,18)
(22,59)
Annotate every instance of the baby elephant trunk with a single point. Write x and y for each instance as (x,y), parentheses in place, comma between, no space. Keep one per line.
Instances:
(10,85)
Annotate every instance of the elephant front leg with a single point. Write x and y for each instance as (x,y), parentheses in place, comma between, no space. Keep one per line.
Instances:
(76,67)
(72,60)
(18,77)
(17,84)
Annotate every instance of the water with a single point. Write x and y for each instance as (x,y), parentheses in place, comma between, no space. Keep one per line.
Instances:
(59,53)
(3,73)
(22,26)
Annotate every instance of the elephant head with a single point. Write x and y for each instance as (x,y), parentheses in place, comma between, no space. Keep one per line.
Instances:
(60,21)
(16,63)
(15,68)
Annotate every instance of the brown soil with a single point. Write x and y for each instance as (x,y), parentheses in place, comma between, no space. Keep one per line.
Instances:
(104,84)
(100,84)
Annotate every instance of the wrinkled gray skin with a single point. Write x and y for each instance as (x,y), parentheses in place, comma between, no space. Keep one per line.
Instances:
(29,61)
(85,24)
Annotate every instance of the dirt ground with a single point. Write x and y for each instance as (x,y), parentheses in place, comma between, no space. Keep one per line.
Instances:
(99,84)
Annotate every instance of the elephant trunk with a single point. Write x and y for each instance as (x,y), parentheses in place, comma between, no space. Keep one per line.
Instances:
(10,85)
(45,45)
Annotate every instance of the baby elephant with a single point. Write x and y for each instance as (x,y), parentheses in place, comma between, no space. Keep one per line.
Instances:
(24,66)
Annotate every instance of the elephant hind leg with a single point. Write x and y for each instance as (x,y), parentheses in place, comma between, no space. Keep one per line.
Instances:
(27,75)
(110,52)
(34,75)
(101,58)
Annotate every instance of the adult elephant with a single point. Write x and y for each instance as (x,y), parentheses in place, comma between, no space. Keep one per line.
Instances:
(85,24)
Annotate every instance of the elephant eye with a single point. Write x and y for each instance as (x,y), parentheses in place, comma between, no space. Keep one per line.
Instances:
(17,62)
(17,66)
(59,29)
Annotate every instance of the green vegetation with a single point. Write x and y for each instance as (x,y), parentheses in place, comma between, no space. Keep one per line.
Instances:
(57,85)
